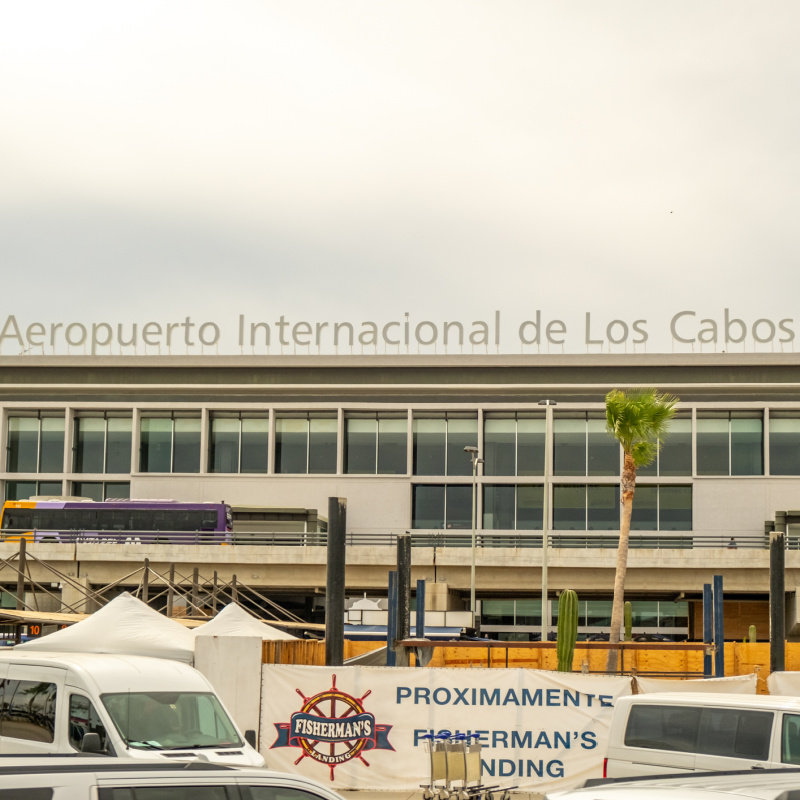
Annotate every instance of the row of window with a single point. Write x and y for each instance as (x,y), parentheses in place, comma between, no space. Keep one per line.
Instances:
(651,614)
(575,507)
(94,490)
(504,506)
(512,444)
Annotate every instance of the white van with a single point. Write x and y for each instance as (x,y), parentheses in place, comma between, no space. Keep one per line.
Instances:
(780,784)
(87,778)
(656,734)
(127,706)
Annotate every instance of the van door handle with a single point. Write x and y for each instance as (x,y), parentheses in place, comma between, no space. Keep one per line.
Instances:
(758,766)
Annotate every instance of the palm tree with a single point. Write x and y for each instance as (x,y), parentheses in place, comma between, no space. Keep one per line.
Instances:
(639,421)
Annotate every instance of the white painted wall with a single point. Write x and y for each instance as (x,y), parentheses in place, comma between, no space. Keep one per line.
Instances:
(232,664)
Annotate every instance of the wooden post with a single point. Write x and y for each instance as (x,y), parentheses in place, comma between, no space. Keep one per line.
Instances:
(146,582)
(21,576)
(170,589)
(195,600)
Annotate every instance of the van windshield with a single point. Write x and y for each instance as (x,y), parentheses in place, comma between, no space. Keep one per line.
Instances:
(171,720)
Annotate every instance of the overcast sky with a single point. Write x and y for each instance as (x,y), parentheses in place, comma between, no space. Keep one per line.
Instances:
(347,160)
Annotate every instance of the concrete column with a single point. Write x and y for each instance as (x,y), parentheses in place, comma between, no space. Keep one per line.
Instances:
(335,591)
(75,596)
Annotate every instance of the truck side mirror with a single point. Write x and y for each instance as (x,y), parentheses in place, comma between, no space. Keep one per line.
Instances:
(91,743)
(250,738)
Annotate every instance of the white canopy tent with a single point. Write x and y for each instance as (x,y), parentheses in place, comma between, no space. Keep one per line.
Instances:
(233,620)
(125,625)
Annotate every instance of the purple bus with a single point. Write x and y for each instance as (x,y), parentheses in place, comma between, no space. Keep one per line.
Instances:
(116,521)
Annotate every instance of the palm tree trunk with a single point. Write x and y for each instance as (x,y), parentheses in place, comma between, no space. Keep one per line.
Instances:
(617,608)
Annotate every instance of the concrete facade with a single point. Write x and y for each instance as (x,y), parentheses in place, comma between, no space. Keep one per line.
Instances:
(381,506)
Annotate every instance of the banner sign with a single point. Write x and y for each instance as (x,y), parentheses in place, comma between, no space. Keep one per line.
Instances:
(364,727)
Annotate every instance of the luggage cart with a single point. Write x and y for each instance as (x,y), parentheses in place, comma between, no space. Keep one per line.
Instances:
(435,747)
(464,765)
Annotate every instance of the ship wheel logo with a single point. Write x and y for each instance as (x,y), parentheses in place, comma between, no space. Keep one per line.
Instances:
(332,728)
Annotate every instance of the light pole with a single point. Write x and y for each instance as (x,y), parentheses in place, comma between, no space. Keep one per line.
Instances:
(548,455)
(472,452)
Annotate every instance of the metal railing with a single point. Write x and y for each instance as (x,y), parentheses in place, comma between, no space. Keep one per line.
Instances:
(486,540)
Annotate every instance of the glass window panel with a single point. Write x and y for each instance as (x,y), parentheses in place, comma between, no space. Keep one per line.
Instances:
(569,508)
(31,705)
(663,727)
(604,450)
(118,446)
(23,444)
(500,446)
(90,444)
(603,508)
(598,613)
(675,455)
(497,612)
(712,445)
(52,456)
(458,511)
(530,446)
(673,615)
(156,444)
(569,446)
(117,491)
(644,614)
(322,445)
(255,444)
(735,733)
(428,507)
(747,448)
(186,456)
(675,508)
(528,612)
(224,445)
(461,433)
(83,719)
(51,488)
(530,508)
(430,436)
(360,446)
(644,515)
(22,490)
(91,489)
(392,445)
(291,445)
(498,507)
(784,445)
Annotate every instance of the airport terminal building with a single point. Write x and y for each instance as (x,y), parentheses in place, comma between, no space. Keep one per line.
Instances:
(388,434)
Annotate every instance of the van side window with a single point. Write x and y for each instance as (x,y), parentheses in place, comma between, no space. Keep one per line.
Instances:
(663,727)
(84,719)
(175,791)
(276,793)
(735,733)
(790,739)
(35,793)
(28,710)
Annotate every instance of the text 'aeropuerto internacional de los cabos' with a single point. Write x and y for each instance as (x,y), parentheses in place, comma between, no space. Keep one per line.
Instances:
(495,331)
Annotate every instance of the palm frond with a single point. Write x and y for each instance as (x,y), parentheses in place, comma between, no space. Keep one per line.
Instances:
(639,417)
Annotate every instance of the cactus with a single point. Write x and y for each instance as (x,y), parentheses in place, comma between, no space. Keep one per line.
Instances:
(751,634)
(567,629)
(628,621)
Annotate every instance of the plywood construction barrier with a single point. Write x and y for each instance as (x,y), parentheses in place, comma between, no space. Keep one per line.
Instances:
(741,658)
